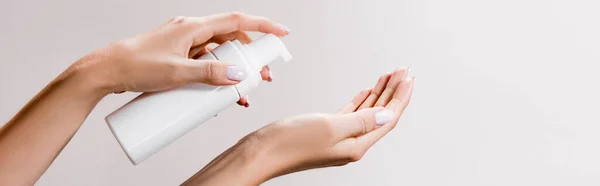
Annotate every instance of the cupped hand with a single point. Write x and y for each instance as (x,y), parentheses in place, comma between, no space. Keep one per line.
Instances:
(322,140)
(167,57)
(313,140)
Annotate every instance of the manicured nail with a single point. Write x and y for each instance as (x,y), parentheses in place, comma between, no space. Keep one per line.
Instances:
(384,116)
(283,27)
(247,101)
(270,75)
(236,73)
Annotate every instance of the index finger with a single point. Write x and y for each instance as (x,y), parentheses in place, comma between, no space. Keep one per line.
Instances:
(209,26)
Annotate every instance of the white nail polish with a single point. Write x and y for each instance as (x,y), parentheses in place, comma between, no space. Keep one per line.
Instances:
(384,116)
(236,73)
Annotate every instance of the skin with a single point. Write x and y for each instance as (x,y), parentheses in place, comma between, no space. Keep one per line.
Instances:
(159,59)
(164,58)
(312,140)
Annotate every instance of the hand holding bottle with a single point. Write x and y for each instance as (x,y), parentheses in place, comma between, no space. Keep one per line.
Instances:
(160,59)
(313,140)
(166,57)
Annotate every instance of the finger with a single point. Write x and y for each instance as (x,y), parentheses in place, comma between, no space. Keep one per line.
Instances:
(356,102)
(397,105)
(397,76)
(244,102)
(209,26)
(220,39)
(243,37)
(199,51)
(195,51)
(237,35)
(402,96)
(210,72)
(381,83)
(355,124)
(266,74)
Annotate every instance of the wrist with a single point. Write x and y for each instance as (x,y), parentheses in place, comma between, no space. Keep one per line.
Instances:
(242,164)
(87,76)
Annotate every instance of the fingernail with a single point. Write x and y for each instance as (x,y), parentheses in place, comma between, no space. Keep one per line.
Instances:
(283,27)
(236,73)
(384,116)
(270,75)
(247,101)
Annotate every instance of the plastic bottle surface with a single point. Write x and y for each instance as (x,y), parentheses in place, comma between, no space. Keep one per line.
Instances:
(154,120)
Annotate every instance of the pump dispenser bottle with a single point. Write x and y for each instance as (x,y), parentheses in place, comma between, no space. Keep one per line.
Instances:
(154,120)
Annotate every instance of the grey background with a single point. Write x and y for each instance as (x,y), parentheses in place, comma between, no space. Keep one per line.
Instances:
(506,91)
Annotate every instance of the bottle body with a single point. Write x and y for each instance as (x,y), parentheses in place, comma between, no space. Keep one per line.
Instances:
(173,113)
(154,120)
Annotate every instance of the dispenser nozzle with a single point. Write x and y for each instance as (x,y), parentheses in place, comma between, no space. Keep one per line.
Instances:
(268,48)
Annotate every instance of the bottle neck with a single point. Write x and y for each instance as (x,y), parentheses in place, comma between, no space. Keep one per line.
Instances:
(246,58)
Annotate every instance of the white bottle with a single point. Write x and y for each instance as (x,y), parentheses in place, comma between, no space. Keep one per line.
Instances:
(154,120)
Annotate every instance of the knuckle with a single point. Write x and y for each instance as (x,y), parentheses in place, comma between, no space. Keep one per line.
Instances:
(364,123)
(328,125)
(178,19)
(375,94)
(355,155)
(265,19)
(236,15)
(401,70)
(383,78)
(208,72)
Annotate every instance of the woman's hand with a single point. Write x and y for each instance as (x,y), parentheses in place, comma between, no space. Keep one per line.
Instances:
(313,140)
(163,58)
(166,57)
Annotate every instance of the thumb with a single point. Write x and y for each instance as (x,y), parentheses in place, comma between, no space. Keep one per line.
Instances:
(362,121)
(213,72)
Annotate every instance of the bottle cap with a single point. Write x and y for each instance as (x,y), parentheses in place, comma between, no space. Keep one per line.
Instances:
(258,54)
(267,48)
